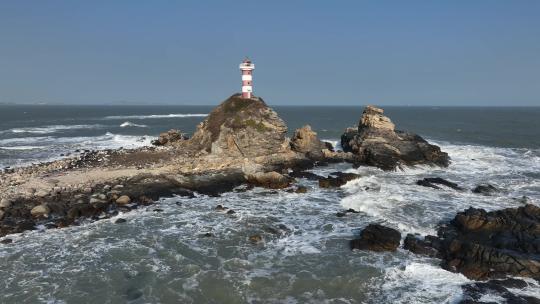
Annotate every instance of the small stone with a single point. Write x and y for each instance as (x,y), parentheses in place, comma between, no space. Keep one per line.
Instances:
(158,210)
(208,234)
(120,221)
(301,189)
(231,212)
(87,190)
(6,241)
(95,200)
(123,200)
(5,203)
(221,208)
(340,214)
(256,238)
(117,187)
(40,211)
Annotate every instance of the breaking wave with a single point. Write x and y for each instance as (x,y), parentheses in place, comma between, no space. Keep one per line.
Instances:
(130,124)
(51,129)
(155,116)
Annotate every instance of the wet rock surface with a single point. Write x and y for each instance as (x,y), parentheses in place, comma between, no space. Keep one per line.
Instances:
(485,189)
(337,179)
(170,137)
(433,182)
(376,143)
(376,237)
(505,289)
(484,245)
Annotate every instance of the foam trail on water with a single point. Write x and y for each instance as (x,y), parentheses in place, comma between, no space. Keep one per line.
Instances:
(155,116)
(51,129)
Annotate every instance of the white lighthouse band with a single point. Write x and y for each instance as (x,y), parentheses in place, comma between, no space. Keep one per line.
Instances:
(247,79)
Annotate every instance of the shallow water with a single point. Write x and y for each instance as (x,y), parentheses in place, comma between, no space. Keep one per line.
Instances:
(304,255)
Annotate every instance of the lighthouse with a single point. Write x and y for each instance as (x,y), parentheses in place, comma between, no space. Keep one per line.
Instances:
(247,80)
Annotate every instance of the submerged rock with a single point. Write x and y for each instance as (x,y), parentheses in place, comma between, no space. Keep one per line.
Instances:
(432,181)
(376,237)
(485,189)
(376,143)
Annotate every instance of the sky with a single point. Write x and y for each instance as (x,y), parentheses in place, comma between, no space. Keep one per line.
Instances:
(442,53)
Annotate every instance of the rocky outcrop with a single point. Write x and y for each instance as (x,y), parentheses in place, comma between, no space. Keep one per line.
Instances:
(377,143)
(337,179)
(271,180)
(432,182)
(484,245)
(169,137)
(241,127)
(305,141)
(376,237)
(485,189)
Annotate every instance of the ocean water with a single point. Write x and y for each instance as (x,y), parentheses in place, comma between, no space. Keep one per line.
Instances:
(162,254)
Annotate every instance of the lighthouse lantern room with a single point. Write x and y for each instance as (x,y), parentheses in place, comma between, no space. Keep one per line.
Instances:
(247,80)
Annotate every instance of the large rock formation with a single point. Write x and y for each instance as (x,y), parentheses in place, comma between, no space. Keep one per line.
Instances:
(241,127)
(376,237)
(483,244)
(305,141)
(377,143)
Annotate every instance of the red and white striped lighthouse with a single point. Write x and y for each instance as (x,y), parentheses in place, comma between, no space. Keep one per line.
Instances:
(247,80)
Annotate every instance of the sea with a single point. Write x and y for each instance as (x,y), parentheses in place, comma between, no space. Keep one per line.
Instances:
(182,250)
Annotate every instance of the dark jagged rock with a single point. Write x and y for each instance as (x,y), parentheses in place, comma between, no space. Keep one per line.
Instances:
(241,127)
(376,237)
(485,189)
(472,293)
(429,246)
(337,179)
(432,181)
(494,244)
(305,141)
(376,143)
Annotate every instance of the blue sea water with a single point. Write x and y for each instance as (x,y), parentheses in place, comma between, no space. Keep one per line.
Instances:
(164,257)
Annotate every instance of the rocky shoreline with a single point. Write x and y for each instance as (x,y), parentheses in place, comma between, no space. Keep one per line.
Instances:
(243,143)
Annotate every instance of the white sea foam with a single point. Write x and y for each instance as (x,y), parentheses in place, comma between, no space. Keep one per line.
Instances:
(130,124)
(51,129)
(422,283)
(154,116)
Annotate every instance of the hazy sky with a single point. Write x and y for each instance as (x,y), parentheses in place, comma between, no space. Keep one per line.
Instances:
(305,52)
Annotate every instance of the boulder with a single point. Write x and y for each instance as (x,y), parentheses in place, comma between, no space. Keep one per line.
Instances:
(241,127)
(485,189)
(376,237)
(5,203)
(123,200)
(271,180)
(337,179)
(169,137)
(377,143)
(305,141)
(40,211)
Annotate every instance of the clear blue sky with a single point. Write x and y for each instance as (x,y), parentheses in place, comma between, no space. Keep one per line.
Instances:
(305,52)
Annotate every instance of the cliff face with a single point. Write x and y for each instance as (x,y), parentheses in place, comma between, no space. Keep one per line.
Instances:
(241,127)
(377,143)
